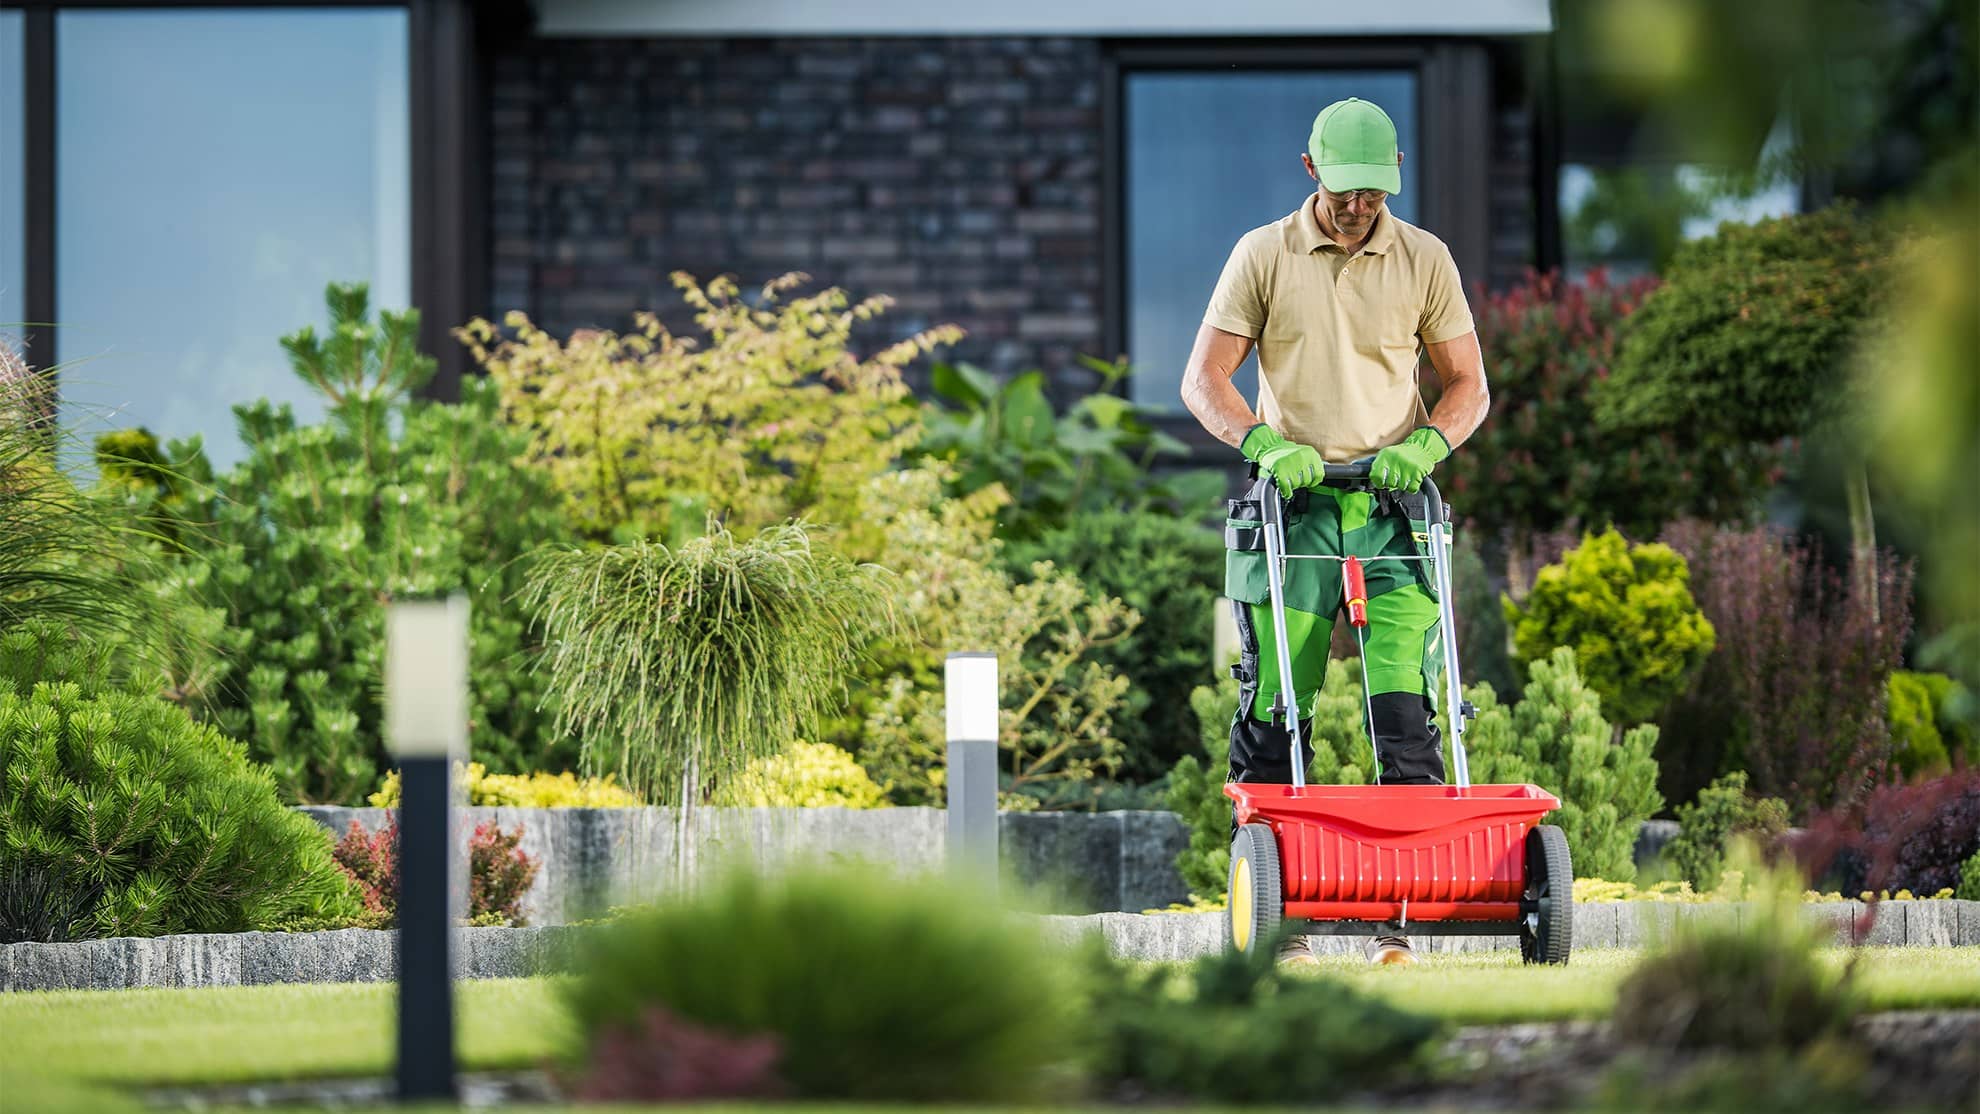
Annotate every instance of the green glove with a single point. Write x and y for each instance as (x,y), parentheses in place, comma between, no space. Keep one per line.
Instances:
(1292,464)
(1401,467)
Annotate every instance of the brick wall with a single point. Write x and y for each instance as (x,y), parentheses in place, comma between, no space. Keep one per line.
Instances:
(960,176)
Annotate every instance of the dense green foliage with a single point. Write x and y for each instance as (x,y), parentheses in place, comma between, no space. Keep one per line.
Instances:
(1233,1028)
(875,989)
(1539,463)
(1628,613)
(146,822)
(1969,879)
(1927,731)
(1748,338)
(1557,738)
(807,775)
(322,525)
(1170,571)
(1707,826)
(1100,454)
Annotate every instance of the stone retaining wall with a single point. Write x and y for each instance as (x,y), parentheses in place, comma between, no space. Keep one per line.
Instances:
(595,858)
(364,955)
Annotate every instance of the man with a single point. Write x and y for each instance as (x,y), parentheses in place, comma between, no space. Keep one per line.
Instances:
(1341,299)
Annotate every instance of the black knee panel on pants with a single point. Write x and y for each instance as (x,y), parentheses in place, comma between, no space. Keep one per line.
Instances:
(1407,738)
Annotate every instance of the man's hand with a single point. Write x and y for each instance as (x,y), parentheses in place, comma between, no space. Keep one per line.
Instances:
(1401,467)
(1292,464)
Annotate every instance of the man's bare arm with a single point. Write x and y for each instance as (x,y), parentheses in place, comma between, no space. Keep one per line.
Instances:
(1461,367)
(1207,389)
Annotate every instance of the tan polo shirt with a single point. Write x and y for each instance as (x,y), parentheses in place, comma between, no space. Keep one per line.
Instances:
(1338,336)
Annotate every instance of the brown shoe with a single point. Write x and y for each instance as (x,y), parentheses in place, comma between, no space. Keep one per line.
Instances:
(1297,951)
(1394,950)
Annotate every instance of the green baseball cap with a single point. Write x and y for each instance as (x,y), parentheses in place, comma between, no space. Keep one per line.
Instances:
(1354,147)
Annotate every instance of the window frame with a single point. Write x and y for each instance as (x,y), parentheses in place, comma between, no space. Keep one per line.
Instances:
(447,251)
(1453,104)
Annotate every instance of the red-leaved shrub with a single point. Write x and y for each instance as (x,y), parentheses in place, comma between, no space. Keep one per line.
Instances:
(499,873)
(1795,693)
(1904,837)
(667,1059)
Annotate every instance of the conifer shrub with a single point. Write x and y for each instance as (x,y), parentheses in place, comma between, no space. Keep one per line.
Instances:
(1724,811)
(1627,610)
(1557,738)
(132,819)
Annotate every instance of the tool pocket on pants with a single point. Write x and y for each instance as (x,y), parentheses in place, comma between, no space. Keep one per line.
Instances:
(1244,551)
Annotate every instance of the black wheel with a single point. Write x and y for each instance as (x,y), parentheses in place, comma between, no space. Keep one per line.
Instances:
(1546,930)
(1256,901)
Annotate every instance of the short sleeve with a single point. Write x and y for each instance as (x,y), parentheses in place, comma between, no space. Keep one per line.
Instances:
(1445,314)
(1238,304)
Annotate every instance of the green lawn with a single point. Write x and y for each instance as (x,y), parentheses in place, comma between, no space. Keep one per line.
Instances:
(72,1050)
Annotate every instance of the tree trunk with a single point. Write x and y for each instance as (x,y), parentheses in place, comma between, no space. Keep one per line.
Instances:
(1862,539)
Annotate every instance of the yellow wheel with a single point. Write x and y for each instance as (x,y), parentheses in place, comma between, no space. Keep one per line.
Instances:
(1256,902)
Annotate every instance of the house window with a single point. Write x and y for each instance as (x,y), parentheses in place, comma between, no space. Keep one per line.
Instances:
(13,244)
(1208,156)
(216,168)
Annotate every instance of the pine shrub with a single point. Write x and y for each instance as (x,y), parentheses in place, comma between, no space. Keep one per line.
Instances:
(1706,828)
(134,819)
(1556,738)
(1627,610)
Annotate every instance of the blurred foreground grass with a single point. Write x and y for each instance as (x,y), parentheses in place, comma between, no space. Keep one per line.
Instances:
(76,1050)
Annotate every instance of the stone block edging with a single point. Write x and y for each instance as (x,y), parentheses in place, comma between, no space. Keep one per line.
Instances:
(367,955)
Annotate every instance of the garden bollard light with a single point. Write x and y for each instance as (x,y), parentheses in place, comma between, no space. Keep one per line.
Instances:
(969,684)
(426,654)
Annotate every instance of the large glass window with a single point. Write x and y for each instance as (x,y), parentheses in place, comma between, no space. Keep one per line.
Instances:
(13,244)
(1210,156)
(215,169)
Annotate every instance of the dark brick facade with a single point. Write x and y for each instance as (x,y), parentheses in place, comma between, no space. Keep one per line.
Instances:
(961,176)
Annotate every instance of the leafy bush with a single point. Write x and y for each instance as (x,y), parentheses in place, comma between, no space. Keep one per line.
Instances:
(1170,572)
(1795,691)
(891,991)
(499,873)
(660,1058)
(807,775)
(1627,611)
(1337,754)
(1969,879)
(1746,339)
(763,419)
(1233,1028)
(1540,464)
(1556,738)
(537,790)
(136,819)
(1101,454)
(1706,828)
(1754,986)
(323,524)
(1913,837)
(1056,712)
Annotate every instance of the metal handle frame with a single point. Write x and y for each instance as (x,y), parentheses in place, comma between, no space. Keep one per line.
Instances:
(1272,512)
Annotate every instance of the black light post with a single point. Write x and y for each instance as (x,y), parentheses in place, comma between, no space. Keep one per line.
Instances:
(426,727)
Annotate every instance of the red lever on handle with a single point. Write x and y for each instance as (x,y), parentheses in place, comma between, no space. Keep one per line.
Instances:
(1356,590)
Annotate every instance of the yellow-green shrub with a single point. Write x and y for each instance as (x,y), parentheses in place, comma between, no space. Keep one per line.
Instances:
(808,775)
(536,790)
(1628,612)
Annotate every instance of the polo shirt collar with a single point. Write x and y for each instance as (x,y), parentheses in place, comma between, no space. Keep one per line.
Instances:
(1304,232)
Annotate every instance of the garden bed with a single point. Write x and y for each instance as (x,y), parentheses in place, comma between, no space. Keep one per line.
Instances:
(365,955)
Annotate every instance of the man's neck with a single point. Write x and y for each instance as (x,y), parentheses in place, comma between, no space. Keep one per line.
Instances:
(1334,234)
